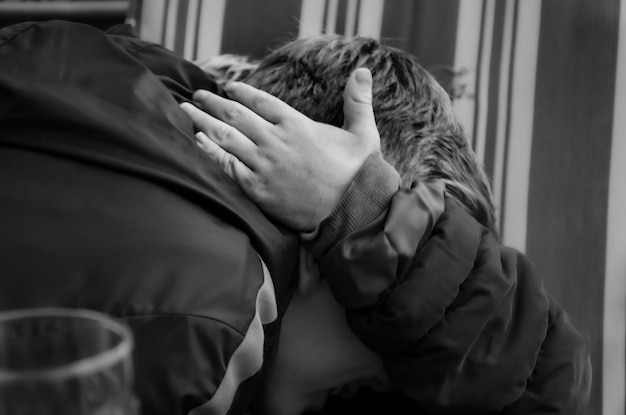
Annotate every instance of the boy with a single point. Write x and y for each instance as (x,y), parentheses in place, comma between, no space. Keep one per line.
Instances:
(462,324)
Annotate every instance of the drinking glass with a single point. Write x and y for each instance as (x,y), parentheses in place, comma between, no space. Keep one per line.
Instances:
(56,361)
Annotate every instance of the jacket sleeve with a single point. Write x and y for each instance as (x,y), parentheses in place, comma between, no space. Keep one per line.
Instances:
(461,322)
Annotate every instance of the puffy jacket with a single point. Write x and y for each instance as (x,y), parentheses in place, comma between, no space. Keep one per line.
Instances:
(463,323)
(107,203)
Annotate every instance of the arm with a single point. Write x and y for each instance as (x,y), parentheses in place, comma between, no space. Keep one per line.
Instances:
(461,322)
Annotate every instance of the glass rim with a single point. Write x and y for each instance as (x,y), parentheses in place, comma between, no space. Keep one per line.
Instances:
(83,366)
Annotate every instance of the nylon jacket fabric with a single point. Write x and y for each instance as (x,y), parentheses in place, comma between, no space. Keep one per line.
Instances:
(108,204)
(463,323)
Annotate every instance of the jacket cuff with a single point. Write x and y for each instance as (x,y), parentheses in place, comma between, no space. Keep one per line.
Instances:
(367,197)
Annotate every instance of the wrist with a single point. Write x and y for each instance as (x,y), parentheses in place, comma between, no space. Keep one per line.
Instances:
(335,185)
(366,198)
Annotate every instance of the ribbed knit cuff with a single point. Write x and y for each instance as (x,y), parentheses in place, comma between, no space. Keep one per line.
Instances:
(367,197)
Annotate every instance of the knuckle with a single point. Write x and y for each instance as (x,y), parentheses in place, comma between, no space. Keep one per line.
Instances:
(258,103)
(225,161)
(232,113)
(223,133)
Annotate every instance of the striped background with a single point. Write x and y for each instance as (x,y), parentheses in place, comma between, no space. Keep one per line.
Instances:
(540,87)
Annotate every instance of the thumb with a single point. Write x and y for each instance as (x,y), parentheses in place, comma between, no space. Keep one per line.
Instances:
(357,106)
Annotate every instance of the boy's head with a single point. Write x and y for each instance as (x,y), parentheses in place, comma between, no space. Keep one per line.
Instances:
(420,135)
(228,67)
(318,354)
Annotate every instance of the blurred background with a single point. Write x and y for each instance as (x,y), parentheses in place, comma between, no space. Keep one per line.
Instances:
(540,86)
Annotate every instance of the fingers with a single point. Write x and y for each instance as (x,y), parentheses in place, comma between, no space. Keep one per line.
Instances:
(265,105)
(357,107)
(237,170)
(234,114)
(227,138)
(357,98)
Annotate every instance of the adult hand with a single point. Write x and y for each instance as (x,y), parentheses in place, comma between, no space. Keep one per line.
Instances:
(295,169)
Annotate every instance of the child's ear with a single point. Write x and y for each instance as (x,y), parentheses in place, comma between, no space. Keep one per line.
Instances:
(309,274)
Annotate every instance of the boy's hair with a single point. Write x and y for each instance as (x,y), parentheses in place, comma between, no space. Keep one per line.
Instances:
(420,134)
(228,67)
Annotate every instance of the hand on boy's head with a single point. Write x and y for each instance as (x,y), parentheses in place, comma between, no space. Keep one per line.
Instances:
(294,168)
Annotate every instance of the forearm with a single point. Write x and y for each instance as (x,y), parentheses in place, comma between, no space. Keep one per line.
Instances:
(367,198)
(460,321)
(365,246)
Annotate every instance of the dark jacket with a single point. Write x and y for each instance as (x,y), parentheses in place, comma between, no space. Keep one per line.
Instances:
(107,203)
(463,323)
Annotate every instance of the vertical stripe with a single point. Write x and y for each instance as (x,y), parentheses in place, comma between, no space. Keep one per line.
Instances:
(614,349)
(242,34)
(493,91)
(311,18)
(331,16)
(569,172)
(210,31)
(151,20)
(466,59)
(399,17)
(325,14)
(503,107)
(371,18)
(522,104)
(351,17)
(181,27)
(480,54)
(340,21)
(412,25)
(164,22)
(196,35)
(191,32)
(170,24)
(482,96)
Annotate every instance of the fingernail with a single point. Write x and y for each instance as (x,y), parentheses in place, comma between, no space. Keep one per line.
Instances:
(363,77)
(186,106)
(230,85)
(200,95)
